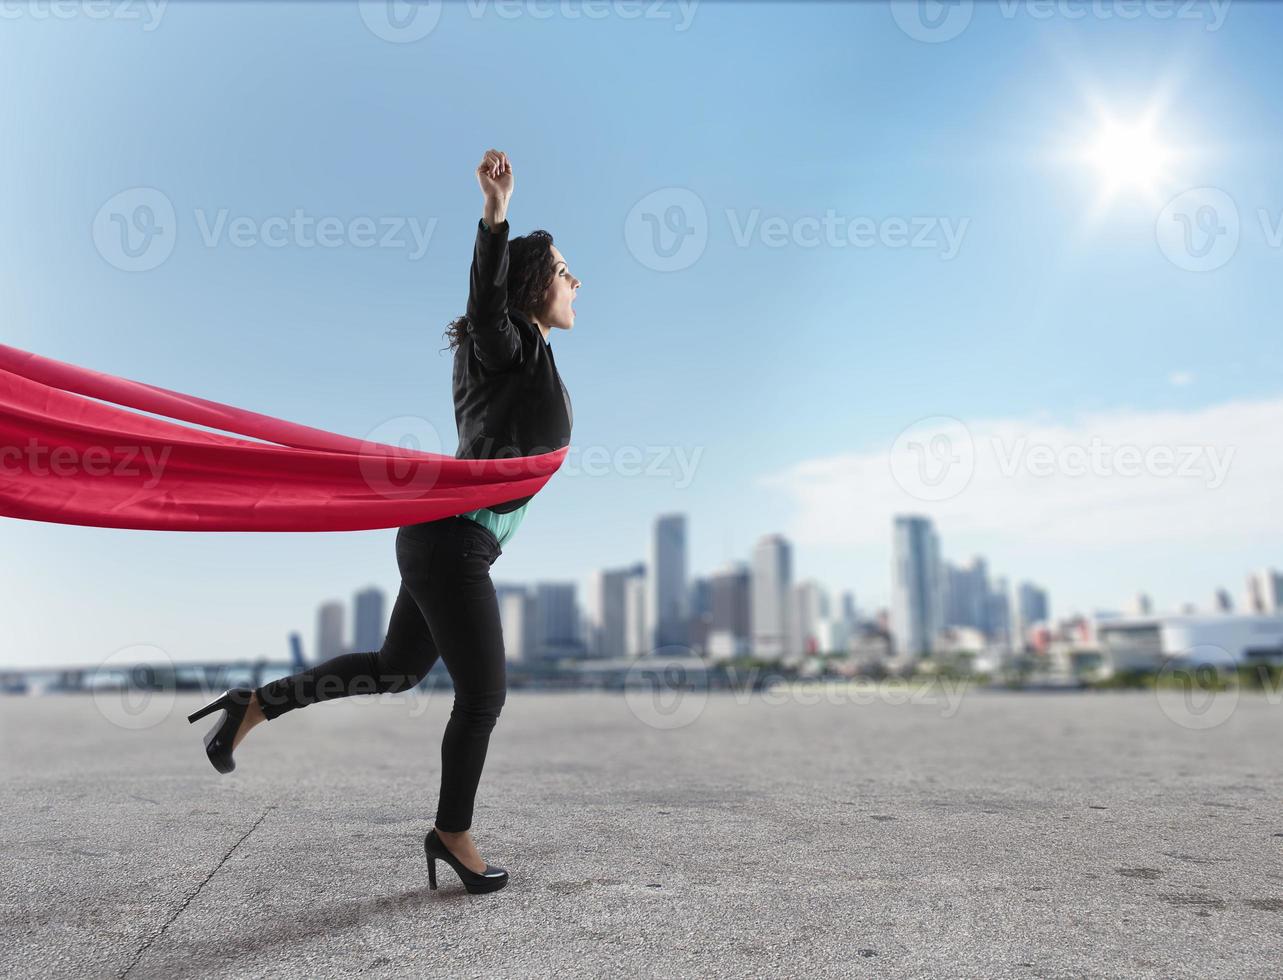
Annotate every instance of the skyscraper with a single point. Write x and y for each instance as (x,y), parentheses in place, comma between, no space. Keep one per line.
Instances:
(998,614)
(772,579)
(967,595)
(808,610)
(833,636)
(636,638)
(701,614)
(1032,606)
(917,601)
(731,619)
(517,621)
(849,615)
(666,589)
(701,597)
(556,624)
(371,625)
(610,603)
(329,630)
(1265,592)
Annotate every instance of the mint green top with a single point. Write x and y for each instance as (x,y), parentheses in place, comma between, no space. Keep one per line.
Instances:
(502,526)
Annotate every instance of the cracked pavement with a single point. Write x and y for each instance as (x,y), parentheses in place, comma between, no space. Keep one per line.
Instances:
(1020,835)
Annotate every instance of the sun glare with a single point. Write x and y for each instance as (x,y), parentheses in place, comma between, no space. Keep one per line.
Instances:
(1128,158)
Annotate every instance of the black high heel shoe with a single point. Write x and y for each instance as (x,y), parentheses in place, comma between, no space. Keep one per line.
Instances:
(218,743)
(490,880)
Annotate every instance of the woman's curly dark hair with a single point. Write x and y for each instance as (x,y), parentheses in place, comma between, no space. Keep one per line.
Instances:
(530,272)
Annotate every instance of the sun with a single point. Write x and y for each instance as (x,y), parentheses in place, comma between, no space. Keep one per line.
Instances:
(1128,158)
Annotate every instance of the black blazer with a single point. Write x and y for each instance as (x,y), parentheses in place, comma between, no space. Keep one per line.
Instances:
(509,400)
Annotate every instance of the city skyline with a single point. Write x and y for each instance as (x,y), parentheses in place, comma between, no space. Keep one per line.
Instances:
(774,384)
(758,606)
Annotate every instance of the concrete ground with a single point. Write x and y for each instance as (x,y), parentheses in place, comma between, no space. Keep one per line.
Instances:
(1002,835)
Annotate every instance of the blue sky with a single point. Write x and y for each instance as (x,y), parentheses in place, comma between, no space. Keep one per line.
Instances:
(784,368)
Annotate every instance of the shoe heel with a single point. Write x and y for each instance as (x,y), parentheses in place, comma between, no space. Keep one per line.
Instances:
(222,701)
(476,884)
(432,866)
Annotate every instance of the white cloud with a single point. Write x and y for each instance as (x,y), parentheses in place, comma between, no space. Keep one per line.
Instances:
(1180,379)
(1101,480)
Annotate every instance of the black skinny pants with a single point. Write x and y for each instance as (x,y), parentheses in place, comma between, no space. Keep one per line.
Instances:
(446,606)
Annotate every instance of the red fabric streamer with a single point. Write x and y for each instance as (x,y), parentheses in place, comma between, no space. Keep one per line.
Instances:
(67,458)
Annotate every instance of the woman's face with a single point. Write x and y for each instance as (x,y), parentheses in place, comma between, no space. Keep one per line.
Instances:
(558,311)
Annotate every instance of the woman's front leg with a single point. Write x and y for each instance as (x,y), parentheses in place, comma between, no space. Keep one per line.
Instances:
(462,609)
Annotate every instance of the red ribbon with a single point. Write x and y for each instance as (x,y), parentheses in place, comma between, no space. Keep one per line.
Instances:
(68,458)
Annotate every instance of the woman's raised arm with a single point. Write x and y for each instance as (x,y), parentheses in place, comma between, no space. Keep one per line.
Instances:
(494,338)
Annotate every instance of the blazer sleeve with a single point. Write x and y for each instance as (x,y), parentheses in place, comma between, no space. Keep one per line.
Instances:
(494,336)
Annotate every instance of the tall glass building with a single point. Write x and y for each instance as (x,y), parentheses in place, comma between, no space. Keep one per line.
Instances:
(917,599)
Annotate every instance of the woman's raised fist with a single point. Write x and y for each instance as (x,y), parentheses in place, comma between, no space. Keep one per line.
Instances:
(494,174)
